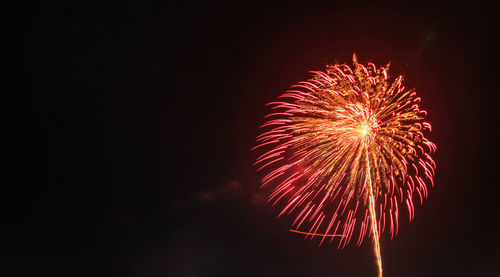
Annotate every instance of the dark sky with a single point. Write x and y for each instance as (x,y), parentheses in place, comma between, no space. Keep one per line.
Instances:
(134,123)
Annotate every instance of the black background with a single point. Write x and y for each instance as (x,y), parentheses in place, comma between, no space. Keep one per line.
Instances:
(133,124)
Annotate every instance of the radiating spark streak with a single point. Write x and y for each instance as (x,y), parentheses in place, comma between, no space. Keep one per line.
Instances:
(315,234)
(345,149)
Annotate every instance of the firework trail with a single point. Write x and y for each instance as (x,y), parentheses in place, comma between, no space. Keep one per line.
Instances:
(345,151)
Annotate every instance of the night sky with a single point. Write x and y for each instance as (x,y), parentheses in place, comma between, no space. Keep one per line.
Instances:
(134,123)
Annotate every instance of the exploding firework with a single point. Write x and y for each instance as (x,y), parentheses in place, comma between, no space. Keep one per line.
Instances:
(346,153)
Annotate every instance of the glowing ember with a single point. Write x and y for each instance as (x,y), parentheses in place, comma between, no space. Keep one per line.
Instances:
(346,151)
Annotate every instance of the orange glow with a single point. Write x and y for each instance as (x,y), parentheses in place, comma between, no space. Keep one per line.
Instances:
(345,152)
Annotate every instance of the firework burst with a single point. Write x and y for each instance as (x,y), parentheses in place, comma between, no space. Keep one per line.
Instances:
(346,154)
